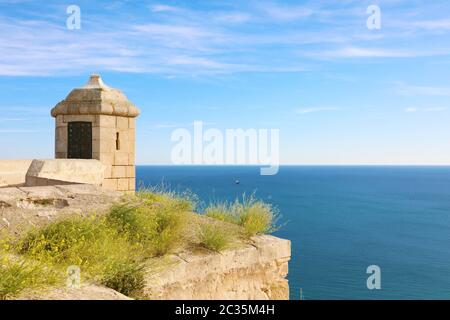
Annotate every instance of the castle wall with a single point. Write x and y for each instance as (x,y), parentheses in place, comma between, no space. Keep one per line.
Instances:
(118,155)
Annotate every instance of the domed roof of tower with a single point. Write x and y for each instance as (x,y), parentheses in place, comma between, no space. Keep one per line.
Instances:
(96,98)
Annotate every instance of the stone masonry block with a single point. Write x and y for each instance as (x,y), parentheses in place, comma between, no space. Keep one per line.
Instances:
(131,172)
(123,136)
(108,172)
(132,184)
(73,118)
(123,184)
(107,158)
(61,139)
(122,123)
(95,133)
(131,158)
(103,145)
(119,171)
(131,147)
(131,123)
(107,133)
(109,184)
(60,146)
(104,121)
(59,120)
(121,159)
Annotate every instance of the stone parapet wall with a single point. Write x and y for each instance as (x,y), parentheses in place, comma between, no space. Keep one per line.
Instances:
(64,171)
(30,173)
(13,172)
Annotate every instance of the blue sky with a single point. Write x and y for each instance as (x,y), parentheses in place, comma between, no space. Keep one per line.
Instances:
(339,92)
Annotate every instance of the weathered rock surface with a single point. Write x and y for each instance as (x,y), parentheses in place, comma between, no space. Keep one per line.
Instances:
(24,207)
(254,271)
(85,292)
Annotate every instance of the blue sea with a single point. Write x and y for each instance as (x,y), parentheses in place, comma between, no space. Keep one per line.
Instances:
(341,219)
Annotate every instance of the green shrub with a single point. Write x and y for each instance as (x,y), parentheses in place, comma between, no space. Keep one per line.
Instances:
(214,237)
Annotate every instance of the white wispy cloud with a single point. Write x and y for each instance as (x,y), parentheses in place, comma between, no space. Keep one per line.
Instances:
(197,61)
(353,52)
(168,30)
(11,119)
(287,13)
(361,52)
(164,8)
(318,109)
(21,131)
(409,90)
(256,36)
(427,109)
(166,125)
(443,24)
(233,17)
(423,25)
(21,113)
(28,50)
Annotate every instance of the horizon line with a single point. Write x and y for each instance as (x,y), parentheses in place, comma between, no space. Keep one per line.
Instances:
(300,164)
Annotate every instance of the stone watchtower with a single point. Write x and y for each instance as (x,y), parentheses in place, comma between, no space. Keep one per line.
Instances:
(98,122)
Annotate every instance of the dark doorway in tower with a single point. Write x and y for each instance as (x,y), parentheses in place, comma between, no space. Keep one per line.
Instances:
(79,144)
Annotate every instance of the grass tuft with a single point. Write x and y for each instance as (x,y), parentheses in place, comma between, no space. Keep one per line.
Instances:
(256,217)
(17,274)
(126,277)
(168,230)
(223,211)
(214,237)
(161,196)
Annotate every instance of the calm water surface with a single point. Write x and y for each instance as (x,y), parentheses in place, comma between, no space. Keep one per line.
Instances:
(341,220)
